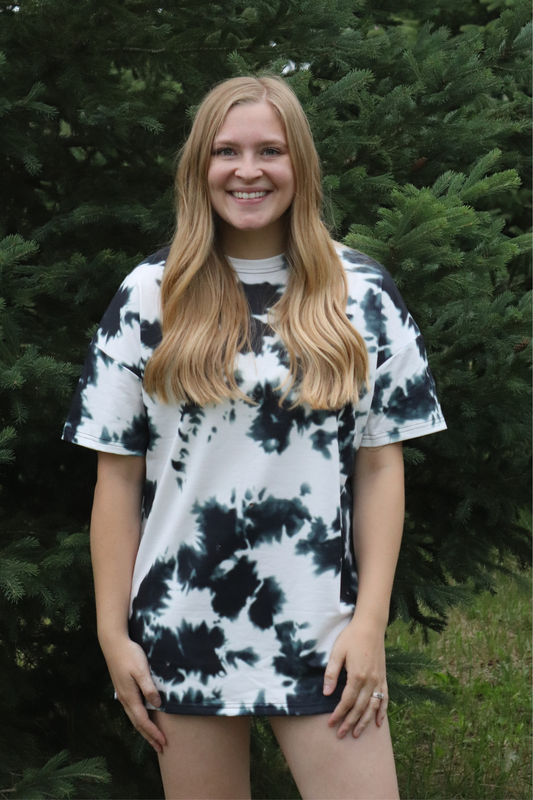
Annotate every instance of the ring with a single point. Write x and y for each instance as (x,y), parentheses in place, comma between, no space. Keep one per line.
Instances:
(379,695)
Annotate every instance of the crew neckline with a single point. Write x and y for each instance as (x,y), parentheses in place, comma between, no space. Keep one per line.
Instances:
(256,265)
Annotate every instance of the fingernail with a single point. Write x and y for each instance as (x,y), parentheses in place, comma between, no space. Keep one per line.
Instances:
(328,688)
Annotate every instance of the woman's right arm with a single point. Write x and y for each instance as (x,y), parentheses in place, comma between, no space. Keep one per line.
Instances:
(115,534)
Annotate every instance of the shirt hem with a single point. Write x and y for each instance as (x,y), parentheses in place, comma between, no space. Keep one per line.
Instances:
(406,432)
(242,710)
(94,443)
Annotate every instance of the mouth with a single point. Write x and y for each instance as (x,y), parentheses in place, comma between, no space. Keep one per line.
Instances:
(249,195)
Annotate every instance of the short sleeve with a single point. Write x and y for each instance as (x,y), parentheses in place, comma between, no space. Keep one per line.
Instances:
(108,411)
(404,402)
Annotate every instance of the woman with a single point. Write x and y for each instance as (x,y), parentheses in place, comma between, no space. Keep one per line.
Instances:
(224,537)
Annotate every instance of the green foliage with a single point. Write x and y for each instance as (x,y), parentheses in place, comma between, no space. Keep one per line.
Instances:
(421,114)
(59,779)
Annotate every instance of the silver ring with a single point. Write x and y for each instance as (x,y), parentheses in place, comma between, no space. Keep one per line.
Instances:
(379,695)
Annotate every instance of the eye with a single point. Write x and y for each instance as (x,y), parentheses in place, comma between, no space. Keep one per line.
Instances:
(271,151)
(223,151)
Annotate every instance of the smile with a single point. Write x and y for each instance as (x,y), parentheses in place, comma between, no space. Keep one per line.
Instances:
(248,195)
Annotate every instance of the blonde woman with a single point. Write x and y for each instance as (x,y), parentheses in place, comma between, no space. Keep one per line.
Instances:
(248,391)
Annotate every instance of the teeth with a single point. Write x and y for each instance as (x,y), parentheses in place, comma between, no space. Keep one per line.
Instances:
(248,195)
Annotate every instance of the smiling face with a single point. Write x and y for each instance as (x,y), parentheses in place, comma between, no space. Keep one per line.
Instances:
(251,181)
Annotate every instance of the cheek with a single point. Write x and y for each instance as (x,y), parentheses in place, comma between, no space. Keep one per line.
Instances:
(215,182)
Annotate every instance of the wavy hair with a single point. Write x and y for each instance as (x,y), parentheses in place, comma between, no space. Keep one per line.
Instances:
(204,312)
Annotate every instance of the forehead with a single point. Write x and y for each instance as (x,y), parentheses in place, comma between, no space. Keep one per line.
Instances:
(251,119)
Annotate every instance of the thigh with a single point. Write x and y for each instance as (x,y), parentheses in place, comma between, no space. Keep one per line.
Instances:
(205,758)
(327,768)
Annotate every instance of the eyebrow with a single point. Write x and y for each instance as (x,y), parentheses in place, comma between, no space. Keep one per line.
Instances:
(266,143)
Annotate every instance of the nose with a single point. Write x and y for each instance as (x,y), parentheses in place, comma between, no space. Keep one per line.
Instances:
(248,168)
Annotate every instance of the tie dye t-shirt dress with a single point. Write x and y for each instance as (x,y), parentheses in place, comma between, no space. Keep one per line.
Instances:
(245,573)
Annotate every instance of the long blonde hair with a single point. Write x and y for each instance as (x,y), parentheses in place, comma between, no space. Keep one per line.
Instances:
(205,313)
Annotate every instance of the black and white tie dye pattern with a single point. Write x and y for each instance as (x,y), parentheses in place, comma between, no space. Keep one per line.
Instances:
(245,573)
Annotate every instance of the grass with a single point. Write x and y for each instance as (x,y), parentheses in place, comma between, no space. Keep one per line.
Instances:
(478,747)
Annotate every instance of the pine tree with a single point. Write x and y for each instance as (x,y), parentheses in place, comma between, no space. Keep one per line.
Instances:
(422,132)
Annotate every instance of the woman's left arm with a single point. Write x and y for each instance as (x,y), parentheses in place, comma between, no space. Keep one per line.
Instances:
(378,483)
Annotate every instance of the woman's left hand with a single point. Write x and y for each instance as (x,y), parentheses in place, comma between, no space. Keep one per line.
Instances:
(360,648)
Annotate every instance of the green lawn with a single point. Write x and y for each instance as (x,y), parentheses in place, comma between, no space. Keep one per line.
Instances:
(477,747)
(480,746)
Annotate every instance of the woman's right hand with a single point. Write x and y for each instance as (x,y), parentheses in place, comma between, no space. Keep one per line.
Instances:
(130,673)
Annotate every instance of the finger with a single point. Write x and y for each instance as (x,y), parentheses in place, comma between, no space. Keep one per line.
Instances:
(332,673)
(369,714)
(138,715)
(140,720)
(148,689)
(354,714)
(345,704)
(382,713)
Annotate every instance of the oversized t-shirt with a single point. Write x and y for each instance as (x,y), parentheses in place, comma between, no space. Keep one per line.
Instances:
(245,572)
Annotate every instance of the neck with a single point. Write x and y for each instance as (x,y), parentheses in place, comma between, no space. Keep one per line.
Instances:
(264,243)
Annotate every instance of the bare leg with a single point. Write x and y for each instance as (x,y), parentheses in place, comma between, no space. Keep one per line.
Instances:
(205,758)
(327,768)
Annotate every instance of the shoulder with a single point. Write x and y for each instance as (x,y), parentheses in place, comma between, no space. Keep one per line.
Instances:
(149,272)
(372,288)
(366,269)
(139,292)
(136,302)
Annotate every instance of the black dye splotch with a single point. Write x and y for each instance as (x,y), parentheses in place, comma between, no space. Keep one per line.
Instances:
(193,415)
(346,433)
(203,704)
(326,551)
(279,350)
(232,590)
(150,488)
(110,325)
(221,536)
(153,435)
(383,382)
(297,656)
(89,377)
(321,440)
(268,602)
(189,648)
(132,318)
(300,662)
(421,347)
(305,489)
(262,296)
(150,599)
(262,708)
(349,579)
(151,334)
(272,425)
(356,257)
(258,331)
(390,288)
(416,402)
(180,468)
(78,409)
(371,307)
(267,520)
(159,257)
(247,655)
(136,437)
